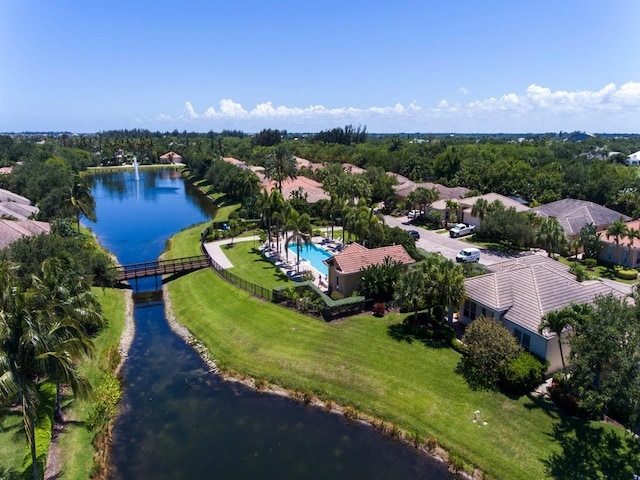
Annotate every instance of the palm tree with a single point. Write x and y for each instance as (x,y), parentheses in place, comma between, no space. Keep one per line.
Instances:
(80,200)
(70,308)
(452,208)
(617,230)
(551,236)
(348,221)
(33,350)
(423,197)
(632,234)
(410,292)
(556,321)
(280,166)
(301,231)
(480,208)
(445,281)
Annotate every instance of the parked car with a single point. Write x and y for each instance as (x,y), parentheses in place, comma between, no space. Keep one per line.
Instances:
(461,229)
(414,233)
(468,255)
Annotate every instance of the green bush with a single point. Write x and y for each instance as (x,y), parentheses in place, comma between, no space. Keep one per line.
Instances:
(627,274)
(524,373)
(590,263)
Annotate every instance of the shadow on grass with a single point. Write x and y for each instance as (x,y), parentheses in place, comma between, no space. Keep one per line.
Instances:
(592,451)
(420,330)
(8,474)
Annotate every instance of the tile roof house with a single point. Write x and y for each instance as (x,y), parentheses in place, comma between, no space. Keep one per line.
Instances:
(574,214)
(466,206)
(627,253)
(345,267)
(12,230)
(519,292)
(16,206)
(404,186)
(309,188)
(171,157)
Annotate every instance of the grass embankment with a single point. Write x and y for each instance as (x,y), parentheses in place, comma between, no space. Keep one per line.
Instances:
(75,440)
(365,362)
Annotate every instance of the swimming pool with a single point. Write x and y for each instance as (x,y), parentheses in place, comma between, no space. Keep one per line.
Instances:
(314,255)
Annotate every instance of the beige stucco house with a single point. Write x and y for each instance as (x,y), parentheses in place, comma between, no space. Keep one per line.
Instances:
(518,293)
(626,253)
(345,267)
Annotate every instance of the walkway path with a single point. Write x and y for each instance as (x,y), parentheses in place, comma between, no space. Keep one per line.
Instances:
(214,249)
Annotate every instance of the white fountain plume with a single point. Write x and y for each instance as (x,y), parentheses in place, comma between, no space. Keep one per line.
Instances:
(135,168)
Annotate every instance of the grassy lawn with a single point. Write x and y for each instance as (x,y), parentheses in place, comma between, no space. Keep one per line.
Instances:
(600,271)
(249,264)
(13,443)
(75,440)
(362,361)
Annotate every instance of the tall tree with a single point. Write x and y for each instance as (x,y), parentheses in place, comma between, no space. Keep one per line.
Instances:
(551,236)
(410,291)
(300,231)
(617,230)
(590,241)
(556,322)
(480,208)
(604,356)
(80,201)
(33,349)
(280,166)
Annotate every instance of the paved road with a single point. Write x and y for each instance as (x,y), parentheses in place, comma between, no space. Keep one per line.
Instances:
(447,246)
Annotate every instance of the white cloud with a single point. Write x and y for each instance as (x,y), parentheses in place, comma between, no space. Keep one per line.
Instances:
(463,90)
(538,108)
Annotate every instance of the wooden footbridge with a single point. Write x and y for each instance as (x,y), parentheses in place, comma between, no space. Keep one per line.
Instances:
(134,271)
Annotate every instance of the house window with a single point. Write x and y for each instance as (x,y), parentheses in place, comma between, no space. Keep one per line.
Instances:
(523,339)
(472,310)
(466,308)
(484,312)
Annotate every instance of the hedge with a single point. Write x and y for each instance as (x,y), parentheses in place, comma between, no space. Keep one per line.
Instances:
(330,308)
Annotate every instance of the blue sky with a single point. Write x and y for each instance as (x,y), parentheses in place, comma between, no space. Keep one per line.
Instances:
(402,66)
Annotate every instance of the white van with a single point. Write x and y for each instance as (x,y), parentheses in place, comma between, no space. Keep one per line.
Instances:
(467,255)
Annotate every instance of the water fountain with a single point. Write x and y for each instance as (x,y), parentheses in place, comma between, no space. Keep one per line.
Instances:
(135,168)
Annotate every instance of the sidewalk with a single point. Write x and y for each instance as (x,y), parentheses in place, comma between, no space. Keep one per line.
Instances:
(214,249)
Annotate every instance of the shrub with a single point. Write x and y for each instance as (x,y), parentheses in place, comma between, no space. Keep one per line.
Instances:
(524,373)
(379,309)
(579,271)
(590,263)
(106,397)
(336,295)
(431,443)
(490,350)
(627,274)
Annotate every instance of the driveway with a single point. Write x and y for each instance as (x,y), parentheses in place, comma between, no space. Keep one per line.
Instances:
(449,247)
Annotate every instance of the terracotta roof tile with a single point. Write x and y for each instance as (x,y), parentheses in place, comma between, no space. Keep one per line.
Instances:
(355,257)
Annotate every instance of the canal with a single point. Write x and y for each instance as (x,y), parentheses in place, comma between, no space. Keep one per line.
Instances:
(179,421)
